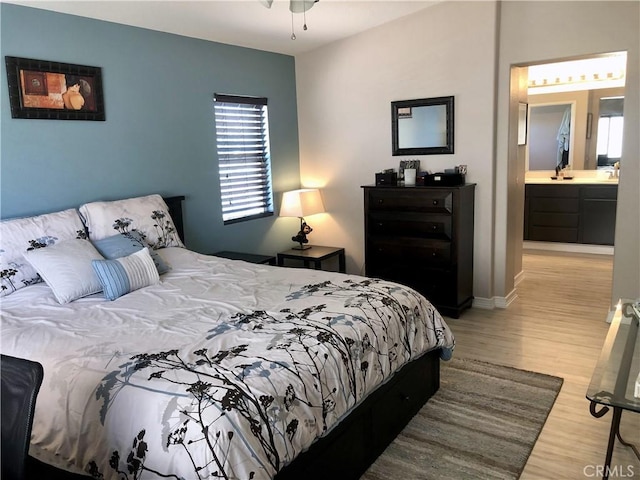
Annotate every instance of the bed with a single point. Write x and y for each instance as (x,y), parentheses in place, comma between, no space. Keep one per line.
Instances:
(205,367)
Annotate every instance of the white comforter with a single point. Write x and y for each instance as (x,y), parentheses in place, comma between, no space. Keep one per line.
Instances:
(224,369)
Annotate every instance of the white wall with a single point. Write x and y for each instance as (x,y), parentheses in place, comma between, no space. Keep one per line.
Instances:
(345,92)
(549,31)
(344,95)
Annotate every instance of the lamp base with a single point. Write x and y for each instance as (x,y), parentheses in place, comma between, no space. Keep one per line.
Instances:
(301,237)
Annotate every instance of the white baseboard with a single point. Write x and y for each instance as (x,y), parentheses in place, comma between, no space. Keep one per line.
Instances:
(494,302)
(484,303)
(504,302)
(518,278)
(568,247)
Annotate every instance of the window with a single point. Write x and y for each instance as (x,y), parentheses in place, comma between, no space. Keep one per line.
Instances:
(242,133)
(609,144)
(610,124)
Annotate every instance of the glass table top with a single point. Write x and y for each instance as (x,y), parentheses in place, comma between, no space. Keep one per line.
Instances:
(614,379)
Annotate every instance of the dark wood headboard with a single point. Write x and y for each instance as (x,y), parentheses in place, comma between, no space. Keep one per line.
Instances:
(175,210)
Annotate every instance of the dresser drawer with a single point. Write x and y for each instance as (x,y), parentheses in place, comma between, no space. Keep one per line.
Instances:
(409,251)
(392,412)
(410,224)
(435,201)
(439,286)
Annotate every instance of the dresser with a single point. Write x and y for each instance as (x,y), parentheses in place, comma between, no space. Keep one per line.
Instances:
(423,237)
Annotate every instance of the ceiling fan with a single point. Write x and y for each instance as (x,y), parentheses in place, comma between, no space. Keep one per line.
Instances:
(295,6)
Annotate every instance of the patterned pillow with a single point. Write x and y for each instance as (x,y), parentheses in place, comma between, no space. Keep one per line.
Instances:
(124,275)
(22,235)
(124,244)
(66,267)
(147,215)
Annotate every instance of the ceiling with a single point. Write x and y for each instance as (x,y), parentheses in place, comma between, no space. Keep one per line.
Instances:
(247,23)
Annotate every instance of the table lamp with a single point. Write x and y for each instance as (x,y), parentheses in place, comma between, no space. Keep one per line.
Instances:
(301,203)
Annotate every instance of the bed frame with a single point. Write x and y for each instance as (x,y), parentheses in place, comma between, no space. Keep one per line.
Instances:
(353,445)
(175,210)
(350,448)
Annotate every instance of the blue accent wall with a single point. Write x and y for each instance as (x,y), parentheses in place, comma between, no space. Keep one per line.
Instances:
(158,136)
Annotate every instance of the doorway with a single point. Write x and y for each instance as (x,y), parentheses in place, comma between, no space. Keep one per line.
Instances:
(553,88)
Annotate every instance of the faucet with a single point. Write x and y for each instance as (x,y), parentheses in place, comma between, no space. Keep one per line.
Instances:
(615,172)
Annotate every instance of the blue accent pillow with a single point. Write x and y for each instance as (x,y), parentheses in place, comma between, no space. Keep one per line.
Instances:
(126,274)
(124,244)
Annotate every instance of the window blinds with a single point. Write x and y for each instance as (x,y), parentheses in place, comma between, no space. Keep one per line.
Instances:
(242,134)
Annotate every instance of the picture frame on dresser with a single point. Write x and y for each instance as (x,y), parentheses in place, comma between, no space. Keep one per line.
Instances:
(404,164)
(49,90)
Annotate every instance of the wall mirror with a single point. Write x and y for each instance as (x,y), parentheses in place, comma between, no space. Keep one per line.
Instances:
(422,126)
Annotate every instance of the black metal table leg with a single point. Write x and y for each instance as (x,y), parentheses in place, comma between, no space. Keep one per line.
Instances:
(613,432)
(342,264)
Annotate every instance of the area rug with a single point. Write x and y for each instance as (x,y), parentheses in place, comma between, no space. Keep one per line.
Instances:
(481,424)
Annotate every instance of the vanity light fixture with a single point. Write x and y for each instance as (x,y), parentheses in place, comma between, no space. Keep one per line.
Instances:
(603,71)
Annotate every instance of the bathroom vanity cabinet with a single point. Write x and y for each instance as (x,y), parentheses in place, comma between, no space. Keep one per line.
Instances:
(570,213)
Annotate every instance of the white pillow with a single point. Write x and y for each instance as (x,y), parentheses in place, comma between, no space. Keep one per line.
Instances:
(21,235)
(126,274)
(66,267)
(148,216)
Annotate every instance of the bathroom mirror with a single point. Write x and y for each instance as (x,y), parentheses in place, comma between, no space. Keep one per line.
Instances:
(422,126)
(552,136)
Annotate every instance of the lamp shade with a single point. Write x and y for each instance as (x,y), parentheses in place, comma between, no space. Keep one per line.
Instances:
(301,203)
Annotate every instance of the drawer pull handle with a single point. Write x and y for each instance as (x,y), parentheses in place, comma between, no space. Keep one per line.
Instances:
(380,202)
(435,227)
(434,254)
(435,202)
(380,224)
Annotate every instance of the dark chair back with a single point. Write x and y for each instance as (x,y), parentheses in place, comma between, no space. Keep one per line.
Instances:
(21,380)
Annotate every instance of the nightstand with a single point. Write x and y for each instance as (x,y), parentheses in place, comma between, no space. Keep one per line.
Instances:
(316,255)
(247,257)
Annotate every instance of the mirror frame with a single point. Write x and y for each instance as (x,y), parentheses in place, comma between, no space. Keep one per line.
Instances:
(422,102)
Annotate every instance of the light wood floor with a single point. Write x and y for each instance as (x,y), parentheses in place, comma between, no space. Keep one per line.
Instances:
(556,326)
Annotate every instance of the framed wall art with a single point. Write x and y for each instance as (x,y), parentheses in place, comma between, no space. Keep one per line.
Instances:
(41,89)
